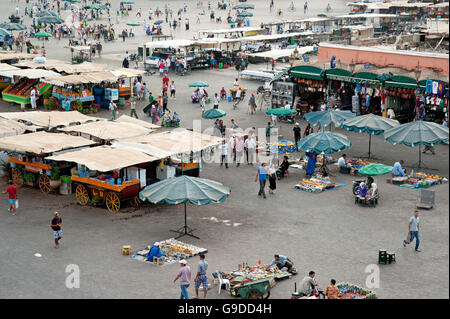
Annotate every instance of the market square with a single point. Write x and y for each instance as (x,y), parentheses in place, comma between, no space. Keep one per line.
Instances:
(117,216)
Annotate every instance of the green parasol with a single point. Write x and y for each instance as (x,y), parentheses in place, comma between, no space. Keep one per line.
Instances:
(133,24)
(183,189)
(243,7)
(197,84)
(324,143)
(50,20)
(281,111)
(95,6)
(322,15)
(11,26)
(4,33)
(245,14)
(43,35)
(213,114)
(375,169)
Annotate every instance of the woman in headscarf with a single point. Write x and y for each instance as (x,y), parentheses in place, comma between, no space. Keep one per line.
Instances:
(362,190)
(311,166)
(272,179)
(372,194)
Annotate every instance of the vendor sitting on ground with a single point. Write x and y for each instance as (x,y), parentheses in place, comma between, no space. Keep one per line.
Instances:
(194,97)
(166,118)
(362,190)
(284,166)
(398,170)
(176,118)
(308,285)
(154,252)
(341,161)
(282,261)
(372,194)
(223,93)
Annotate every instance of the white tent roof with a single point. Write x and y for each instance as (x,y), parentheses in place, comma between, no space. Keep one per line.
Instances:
(11,128)
(49,119)
(169,44)
(104,158)
(280,53)
(42,142)
(109,130)
(29,73)
(234,30)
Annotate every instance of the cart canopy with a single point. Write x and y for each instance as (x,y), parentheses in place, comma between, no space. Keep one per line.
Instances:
(109,130)
(50,119)
(42,143)
(104,158)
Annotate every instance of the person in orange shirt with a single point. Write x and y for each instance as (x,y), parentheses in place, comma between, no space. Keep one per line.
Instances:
(332,292)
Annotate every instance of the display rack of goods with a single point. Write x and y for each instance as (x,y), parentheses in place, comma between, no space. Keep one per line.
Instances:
(173,251)
(317,184)
(20,91)
(349,291)
(418,180)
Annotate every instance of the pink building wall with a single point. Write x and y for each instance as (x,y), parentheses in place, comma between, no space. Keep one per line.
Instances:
(378,57)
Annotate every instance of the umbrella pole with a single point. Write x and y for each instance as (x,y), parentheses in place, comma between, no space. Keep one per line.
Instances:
(185,230)
(370,142)
(420,156)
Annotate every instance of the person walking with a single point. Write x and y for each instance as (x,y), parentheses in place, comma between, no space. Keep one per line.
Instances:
(133,107)
(224,153)
(252,103)
(413,231)
(33,98)
(113,109)
(12,196)
(250,145)
(216,101)
(201,278)
(172,90)
(184,274)
(56,227)
(261,176)
(297,134)
(272,179)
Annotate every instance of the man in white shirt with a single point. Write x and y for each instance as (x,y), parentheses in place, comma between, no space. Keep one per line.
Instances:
(323,106)
(413,231)
(236,83)
(238,94)
(113,109)
(274,120)
(224,153)
(341,161)
(138,90)
(287,106)
(250,146)
(33,98)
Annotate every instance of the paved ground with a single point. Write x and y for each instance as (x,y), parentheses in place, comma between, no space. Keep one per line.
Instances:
(324,232)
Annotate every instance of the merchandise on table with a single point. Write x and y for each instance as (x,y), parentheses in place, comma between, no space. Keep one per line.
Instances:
(303,162)
(349,291)
(355,164)
(418,180)
(316,184)
(173,251)
(283,147)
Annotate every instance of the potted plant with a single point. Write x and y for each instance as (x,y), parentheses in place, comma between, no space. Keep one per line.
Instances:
(50,104)
(55,179)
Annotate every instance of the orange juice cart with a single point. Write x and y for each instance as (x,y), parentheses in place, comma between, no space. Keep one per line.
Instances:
(108,176)
(27,154)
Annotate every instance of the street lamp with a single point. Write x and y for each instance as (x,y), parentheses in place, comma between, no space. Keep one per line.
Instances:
(417,73)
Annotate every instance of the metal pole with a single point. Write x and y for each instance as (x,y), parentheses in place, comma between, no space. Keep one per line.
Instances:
(370,140)
(185,218)
(420,155)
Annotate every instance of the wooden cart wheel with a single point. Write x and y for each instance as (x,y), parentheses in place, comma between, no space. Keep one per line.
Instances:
(17,177)
(44,183)
(112,202)
(136,202)
(82,195)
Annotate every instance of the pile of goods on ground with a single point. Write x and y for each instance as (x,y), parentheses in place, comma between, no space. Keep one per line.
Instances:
(417,180)
(316,184)
(173,251)
(349,291)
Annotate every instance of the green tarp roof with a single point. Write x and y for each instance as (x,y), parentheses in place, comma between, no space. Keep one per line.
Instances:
(401,82)
(307,72)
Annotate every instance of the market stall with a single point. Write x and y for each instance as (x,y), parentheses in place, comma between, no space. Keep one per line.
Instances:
(250,274)
(309,86)
(184,147)
(107,175)
(27,157)
(415,180)
(432,100)
(82,91)
(172,251)
(317,184)
(5,81)
(23,82)
(80,54)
